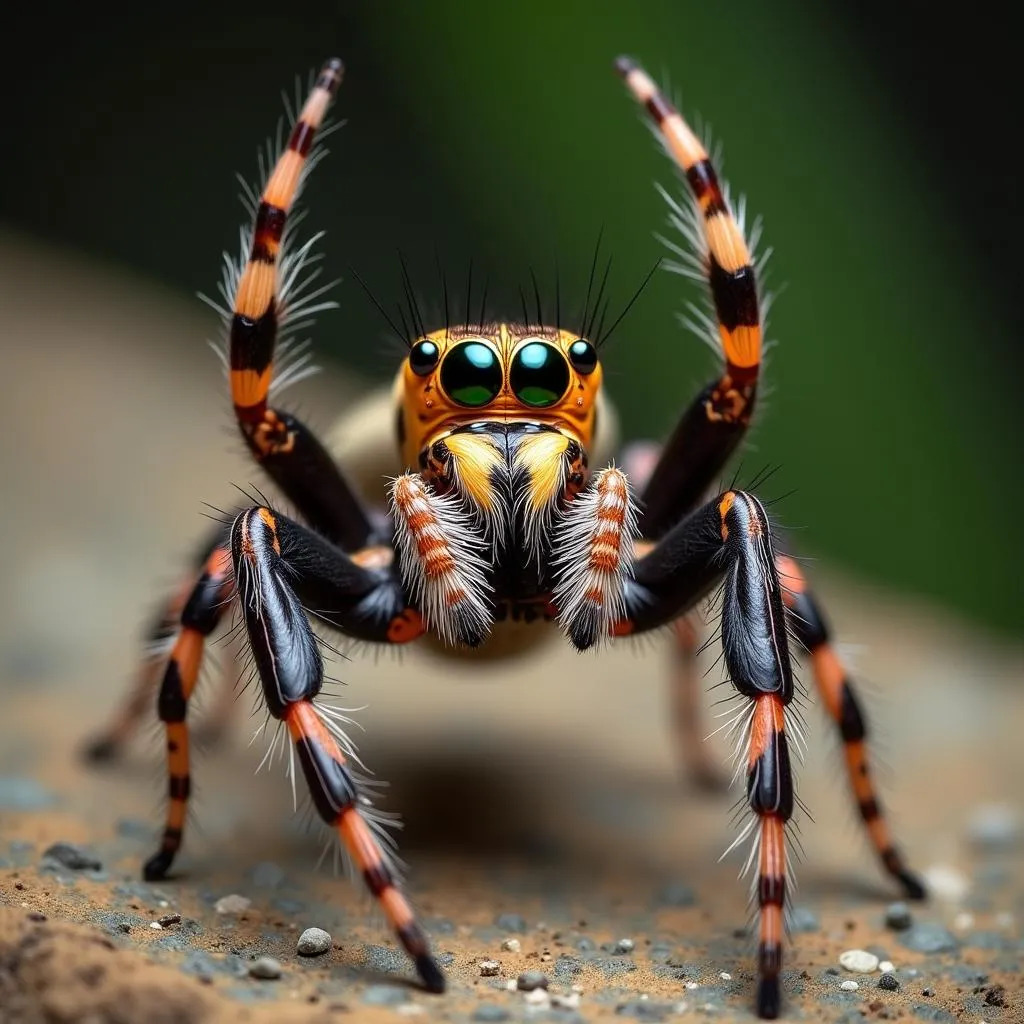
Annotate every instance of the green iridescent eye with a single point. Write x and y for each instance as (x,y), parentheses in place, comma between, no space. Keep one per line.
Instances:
(423,357)
(583,356)
(471,374)
(539,375)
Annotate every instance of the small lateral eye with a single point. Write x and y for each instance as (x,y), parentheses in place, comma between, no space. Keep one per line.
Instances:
(423,357)
(583,356)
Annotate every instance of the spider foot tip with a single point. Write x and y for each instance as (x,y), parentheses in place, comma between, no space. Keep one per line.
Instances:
(768,998)
(432,975)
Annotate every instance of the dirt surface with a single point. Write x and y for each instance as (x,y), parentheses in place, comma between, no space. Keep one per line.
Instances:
(542,798)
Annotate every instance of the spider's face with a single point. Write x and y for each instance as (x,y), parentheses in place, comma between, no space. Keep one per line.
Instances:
(500,373)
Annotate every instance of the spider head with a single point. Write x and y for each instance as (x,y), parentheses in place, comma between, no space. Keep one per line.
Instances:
(499,372)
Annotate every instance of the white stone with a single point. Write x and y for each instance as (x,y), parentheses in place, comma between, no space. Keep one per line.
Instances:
(313,942)
(886,967)
(945,882)
(511,945)
(233,904)
(849,986)
(859,961)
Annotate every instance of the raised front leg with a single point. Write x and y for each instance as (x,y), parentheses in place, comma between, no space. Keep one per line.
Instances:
(715,252)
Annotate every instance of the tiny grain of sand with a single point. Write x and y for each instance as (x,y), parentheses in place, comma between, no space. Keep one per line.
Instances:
(545,820)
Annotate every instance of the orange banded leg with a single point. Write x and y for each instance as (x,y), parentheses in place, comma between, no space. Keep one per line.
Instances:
(716,421)
(137,703)
(280,442)
(199,618)
(277,562)
(685,692)
(770,792)
(729,540)
(837,693)
(335,795)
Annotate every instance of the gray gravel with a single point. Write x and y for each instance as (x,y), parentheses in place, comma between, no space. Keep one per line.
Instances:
(313,942)
(72,857)
(491,1013)
(929,938)
(803,919)
(266,968)
(511,923)
(898,917)
(530,980)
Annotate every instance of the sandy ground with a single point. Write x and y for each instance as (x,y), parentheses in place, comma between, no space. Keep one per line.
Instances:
(542,798)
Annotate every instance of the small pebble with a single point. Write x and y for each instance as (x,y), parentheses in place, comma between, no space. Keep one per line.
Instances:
(489,968)
(859,961)
(886,966)
(963,921)
(570,1001)
(537,997)
(725,976)
(512,946)
(528,981)
(849,986)
(898,917)
(71,857)
(313,942)
(928,937)
(168,919)
(511,923)
(803,919)
(927,991)
(889,983)
(624,946)
(994,826)
(266,967)
(946,882)
(692,985)
(233,904)
(490,1012)
(156,926)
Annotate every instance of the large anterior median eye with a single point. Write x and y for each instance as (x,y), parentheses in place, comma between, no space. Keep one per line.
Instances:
(471,374)
(539,374)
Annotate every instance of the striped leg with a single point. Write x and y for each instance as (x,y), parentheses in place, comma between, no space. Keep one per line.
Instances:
(717,253)
(837,693)
(199,618)
(141,695)
(593,545)
(266,297)
(267,564)
(685,691)
(770,791)
(731,537)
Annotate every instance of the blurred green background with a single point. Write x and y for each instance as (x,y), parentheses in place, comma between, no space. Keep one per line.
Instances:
(868,139)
